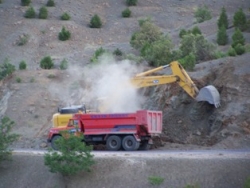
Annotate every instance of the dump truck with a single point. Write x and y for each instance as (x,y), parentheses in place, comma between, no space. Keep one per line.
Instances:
(127,131)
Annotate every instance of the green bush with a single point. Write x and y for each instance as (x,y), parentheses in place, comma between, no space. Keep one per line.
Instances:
(95,22)
(117,52)
(131,2)
(23,39)
(1,1)
(75,156)
(155,180)
(182,32)
(6,69)
(22,65)
(188,62)
(18,80)
(247,183)
(237,38)
(231,52)
(196,31)
(64,64)
(202,14)
(43,13)
(239,20)
(126,13)
(219,54)
(223,20)
(46,63)
(25,2)
(222,38)
(30,13)
(6,138)
(100,51)
(50,3)
(64,34)
(65,16)
(239,49)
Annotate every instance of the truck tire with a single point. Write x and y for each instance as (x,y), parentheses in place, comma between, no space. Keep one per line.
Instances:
(53,144)
(144,145)
(129,143)
(113,143)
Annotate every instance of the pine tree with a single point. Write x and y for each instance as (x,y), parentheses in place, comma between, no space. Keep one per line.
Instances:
(223,20)
(240,20)
(238,38)
(222,38)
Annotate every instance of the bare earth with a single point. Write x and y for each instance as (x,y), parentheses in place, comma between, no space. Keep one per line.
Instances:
(187,126)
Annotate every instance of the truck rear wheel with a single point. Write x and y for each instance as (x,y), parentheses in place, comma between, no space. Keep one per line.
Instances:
(129,143)
(114,143)
(53,142)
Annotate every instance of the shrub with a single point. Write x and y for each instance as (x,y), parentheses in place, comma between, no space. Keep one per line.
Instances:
(75,156)
(25,2)
(231,52)
(6,69)
(22,65)
(50,3)
(6,138)
(222,38)
(30,13)
(188,62)
(1,1)
(155,180)
(100,51)
(65,16)
(202,14)
(95,22)
(196,31)
(182,33)
(247,183)
(239,20)
(22,40)
(239,49)
(126,13)
(117,52)
(223,20)
(237,38)
(131,2)
(43,13)
(64,64)
(46,63)
(219,54)
(18,80)
(64,34)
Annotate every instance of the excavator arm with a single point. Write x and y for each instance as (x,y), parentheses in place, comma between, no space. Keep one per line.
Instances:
(180,76)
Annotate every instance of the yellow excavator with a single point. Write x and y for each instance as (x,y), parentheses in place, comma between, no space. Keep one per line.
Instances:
(179,75)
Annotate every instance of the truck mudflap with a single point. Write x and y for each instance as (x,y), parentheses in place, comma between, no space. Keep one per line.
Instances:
(150,141)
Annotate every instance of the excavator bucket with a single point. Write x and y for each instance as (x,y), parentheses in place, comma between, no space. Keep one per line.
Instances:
(209,94)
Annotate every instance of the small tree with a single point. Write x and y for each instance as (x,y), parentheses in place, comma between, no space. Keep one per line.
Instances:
(182,32)
(223,20)
(240,20)
(131,2)
(222,38)
(22,65)
(64,34)
(117,52)
(6,69)
(30,13)
(74,156)
(46,63)
(231,52)
(100,51)
(126,13)
(25,2)
(6,138)
(202,14)
(64,64)
(238,38)
(43,13)
(196,31)
(188,62)
(240,49)
(95,22)
(65,16)
(50,3)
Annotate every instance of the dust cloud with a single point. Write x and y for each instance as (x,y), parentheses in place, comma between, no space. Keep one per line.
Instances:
(103,87)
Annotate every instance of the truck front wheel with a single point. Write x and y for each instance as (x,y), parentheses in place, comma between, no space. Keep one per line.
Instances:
(114,143)
(53,142)
(129,143)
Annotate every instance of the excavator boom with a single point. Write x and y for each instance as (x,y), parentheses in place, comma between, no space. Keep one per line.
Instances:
(180,76)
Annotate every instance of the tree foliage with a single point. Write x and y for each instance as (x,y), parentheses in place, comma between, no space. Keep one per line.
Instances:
(126,13)
(22,65)
(6,69)
(231,52)
(223,19)
(50,3)
(222,38)
(74,156)
(202,14)
(30,13)
(43,13)
(6,137)
(240,49)
(131,2)
(188,62)
(240,20)
(237,38)
(46,63)
(65,16)
(25,2)
(95,22)
(64,34)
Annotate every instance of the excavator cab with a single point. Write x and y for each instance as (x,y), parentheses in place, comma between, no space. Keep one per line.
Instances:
(180,76)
